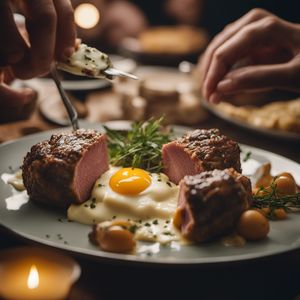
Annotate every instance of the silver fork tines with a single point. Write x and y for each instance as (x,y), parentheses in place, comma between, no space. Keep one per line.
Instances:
(72,113)
(115,72)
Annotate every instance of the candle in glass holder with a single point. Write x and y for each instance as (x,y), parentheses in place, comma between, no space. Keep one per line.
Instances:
(36,273)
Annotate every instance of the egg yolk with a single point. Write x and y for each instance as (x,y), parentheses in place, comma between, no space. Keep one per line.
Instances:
(130,181)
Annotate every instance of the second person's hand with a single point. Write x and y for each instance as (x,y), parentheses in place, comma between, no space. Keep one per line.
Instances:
(269,45)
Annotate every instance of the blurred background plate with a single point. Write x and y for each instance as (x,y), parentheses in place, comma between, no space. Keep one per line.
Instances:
(164,45)
(221,112)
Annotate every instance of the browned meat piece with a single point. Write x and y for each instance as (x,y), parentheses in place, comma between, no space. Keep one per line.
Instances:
(63,170)
(211,203)
(198,151)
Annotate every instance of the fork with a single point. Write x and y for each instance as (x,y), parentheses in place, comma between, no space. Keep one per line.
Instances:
(72,113)
(112,72)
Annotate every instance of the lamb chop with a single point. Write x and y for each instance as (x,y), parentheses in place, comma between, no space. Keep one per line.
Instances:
(63,170)
(198,151)
(211,203)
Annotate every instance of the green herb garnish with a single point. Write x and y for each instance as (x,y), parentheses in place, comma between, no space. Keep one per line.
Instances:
(140,147)
(270,198)
(247,156)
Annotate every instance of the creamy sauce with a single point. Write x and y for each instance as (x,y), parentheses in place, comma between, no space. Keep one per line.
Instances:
(15,180)
(86,61)
(17,200)
(151,210)
(159,200)
(19,194)
(233,240)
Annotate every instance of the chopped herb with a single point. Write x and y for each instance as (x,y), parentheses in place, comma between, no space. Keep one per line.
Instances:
(100,185)
(85,205)
(167,221)
(155,222)
(247,156)
(168,233)
(133,228)
(169,183)
(114,217)
(87,50)
(159,179)
(147,224)
(92,205)
(87,57)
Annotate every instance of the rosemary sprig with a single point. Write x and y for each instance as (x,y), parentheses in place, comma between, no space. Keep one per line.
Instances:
(140,147)
(270,198)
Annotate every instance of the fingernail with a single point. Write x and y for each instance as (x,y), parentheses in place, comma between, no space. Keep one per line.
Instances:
(68,52)
(225,85)
(215,98)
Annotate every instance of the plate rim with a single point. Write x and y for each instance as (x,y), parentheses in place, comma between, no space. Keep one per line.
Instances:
(132,258)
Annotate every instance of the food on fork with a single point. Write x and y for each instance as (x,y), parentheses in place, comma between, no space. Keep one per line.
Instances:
(198,151)
(210,203)
(87,61)
(63,169)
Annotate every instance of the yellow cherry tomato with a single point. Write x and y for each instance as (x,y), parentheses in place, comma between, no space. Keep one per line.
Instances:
(285,185)
(280,214)
(116,237)
(253,225)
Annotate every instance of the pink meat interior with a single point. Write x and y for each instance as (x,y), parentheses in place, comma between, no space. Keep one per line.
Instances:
(178,163)
(94,163)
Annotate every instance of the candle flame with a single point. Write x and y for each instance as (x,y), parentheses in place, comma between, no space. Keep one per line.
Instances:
(86,15)
(33,278)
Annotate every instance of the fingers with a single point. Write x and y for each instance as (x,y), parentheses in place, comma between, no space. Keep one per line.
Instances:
(266,31)
(13,45)
(228,32)
(66,30)
(41,26)
(16,105)
(259,78)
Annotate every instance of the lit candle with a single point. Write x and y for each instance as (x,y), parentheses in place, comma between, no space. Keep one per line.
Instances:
(36,273)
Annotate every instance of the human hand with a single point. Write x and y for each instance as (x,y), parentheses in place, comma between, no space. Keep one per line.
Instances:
(50,34)
(16,104)
(267,50)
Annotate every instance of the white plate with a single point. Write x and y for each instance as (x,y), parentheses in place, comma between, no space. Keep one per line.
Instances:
(50,227)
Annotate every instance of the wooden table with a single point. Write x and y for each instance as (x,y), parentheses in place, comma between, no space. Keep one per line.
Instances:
(276,277)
